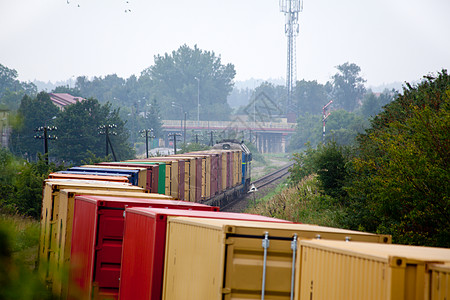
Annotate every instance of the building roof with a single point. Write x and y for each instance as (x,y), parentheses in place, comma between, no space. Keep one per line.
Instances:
(63,99)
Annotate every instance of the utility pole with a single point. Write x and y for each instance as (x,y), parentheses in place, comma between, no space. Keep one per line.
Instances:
(211,141)
(146,131)
(45,137)
(174,135)
(104,129)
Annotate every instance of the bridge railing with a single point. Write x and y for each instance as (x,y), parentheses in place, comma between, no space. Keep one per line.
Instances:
(229,124)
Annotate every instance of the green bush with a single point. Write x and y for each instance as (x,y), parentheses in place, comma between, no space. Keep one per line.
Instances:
(18,248)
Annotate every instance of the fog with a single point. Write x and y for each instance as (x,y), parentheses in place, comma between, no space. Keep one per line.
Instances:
(392,41)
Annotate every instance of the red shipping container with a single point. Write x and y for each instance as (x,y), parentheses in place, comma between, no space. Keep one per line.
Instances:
(152,173)
(97,235)
(142,269)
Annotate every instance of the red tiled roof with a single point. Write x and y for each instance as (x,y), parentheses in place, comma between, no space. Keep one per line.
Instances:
(63,99)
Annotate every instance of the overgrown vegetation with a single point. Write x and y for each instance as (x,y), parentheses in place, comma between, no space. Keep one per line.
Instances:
(393,180)
(21,184)
(303,202)
(18,248)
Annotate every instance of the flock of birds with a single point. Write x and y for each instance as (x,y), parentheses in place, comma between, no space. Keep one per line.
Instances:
(127,10)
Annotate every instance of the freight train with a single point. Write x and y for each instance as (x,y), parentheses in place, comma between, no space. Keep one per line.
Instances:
(152,229)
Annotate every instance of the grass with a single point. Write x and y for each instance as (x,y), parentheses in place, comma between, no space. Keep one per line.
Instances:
(23,234)
(19,239)
(272,162)
(303,203)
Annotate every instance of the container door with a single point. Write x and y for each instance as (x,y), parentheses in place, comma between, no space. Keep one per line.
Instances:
(181,180)
(245,265)
(162,179)
(154,179)
(213,175)
(108,249)
(199,186)
(219,174)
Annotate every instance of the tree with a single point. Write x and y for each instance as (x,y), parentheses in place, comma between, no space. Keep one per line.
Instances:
(68,90)
(33,113)
(12,90)
(8,80)
(372,103)
(329,162)
(186,74)
(308,130)
(79,134)
(310,97)
(348,86)
(401,173)
(343,127)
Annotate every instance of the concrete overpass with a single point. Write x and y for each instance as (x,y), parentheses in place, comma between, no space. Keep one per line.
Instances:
(269,136)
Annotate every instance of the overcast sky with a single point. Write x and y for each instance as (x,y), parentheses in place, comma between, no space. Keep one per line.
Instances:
(391,40)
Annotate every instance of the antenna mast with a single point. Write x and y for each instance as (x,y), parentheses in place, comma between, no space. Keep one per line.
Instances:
(291,8)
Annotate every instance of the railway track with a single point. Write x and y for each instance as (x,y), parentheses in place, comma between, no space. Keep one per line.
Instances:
(259,183)
(271,177)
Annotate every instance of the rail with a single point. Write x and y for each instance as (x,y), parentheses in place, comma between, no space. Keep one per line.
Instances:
(271,177)
(261,182)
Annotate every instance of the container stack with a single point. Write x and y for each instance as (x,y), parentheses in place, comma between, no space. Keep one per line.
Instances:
(146,229)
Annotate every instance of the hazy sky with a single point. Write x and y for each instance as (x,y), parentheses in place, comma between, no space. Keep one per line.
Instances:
(391,40)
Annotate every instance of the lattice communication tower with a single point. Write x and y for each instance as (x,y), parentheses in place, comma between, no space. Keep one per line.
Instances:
(291,8)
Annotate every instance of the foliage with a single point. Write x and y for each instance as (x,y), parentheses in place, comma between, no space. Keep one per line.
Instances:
(190,147)
(308,130)
(256,155)
(173,78)
(33,113)
(239,97)
(348,86)
(68,90)
(372,104)
(21,184)
(303,202)
(138,106)
(304,164)
(329,162)
(267,101)
(9,83)
(19,238)
(343,127)
(79,132)
(401,174)
(310,97)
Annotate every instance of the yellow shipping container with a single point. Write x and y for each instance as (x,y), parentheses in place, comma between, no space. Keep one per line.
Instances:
(50,219)
(440,281)
(354,270)
(206,173)
(225,259)
(190,179)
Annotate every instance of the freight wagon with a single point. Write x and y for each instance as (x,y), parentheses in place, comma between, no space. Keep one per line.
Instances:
(104,238)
